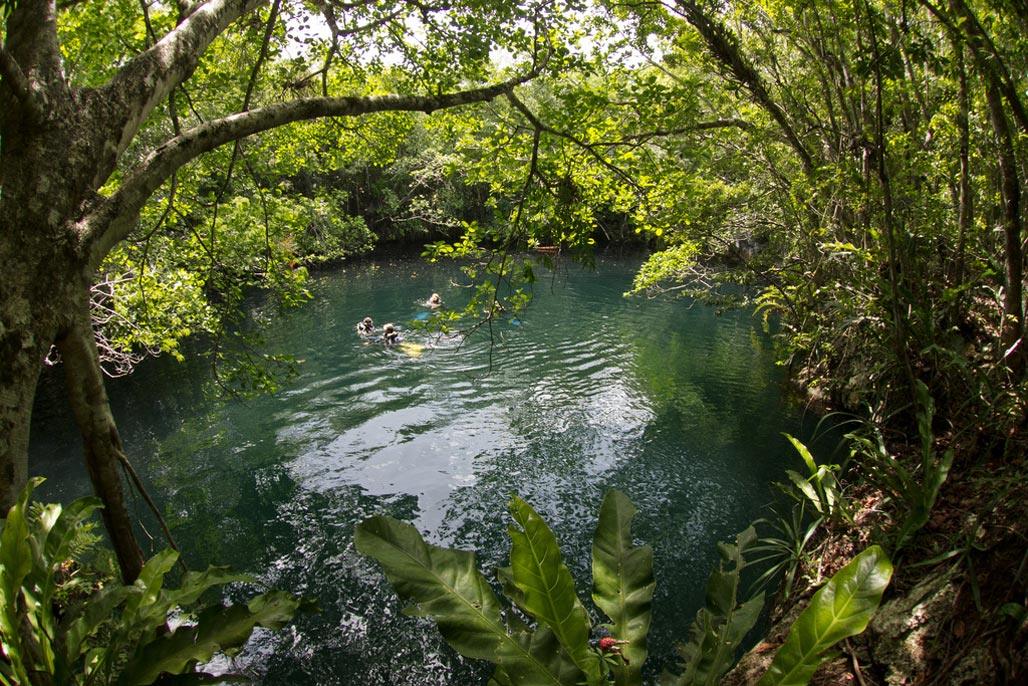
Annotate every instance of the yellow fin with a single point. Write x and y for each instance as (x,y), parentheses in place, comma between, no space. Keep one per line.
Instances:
(411,349)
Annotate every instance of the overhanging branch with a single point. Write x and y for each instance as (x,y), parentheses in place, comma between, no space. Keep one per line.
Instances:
(150,77)
(724,45)
(113,218)
(584,145)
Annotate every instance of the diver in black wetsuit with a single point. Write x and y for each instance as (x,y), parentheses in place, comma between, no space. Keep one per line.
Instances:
(366,327)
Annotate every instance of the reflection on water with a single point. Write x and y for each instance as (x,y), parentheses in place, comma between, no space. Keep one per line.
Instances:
(588,391)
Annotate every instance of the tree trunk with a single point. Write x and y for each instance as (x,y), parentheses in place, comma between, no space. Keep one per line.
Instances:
(965,203)
(101,442)
(1013,305)
(723,44)
(22,357)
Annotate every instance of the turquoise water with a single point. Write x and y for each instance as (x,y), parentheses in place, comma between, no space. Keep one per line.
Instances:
(678,407)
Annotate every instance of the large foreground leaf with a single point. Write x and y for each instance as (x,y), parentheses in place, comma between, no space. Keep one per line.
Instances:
(545,650)
(118,634)
(723,622)
(15,567)
(623,583)
(217,628)
(446,586)
(842,608)
(548,589)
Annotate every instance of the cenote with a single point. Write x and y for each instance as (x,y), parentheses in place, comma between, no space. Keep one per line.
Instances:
(679,407)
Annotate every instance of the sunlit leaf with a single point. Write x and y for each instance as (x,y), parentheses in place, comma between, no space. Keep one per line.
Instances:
(840,609)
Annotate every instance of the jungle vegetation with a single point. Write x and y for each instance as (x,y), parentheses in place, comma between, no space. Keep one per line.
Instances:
(859,165)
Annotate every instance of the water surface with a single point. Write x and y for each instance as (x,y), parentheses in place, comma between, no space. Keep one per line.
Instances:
(677,406)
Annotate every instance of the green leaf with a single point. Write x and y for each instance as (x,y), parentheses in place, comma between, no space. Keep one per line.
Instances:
(150,582)
(722,623)
(275,609)
(15,568)
(842,608)
(544,648)
(446,586)
(505,575)
(82,621)
(806,489)
(15,554)
(217,628)
(921,497)
(59,525)
(711,652)
(623,582)
(195,584)
(804,452)
(548,587)
(60,532)
(119,633)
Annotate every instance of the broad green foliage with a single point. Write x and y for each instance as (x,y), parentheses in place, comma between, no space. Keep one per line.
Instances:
(859,189)
(665,267)
(545,637)
(546,589)
(183,281)
(822,488)
(501,282)
(723,622)
(447,587)
(814,503)
(326,233)
(241,218)
(445,584)
(146,308)
(842,608)
(915,489)
(123,635)
(742,139)
(623,583)
(96,40)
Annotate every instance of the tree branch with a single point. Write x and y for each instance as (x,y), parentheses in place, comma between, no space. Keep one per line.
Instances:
(15,77)
(588,147)
(113,218)
(149,78)
(30,30)
(724,45)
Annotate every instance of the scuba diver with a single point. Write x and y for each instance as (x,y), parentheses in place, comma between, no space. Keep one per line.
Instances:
(366,327)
